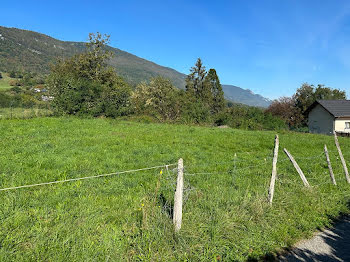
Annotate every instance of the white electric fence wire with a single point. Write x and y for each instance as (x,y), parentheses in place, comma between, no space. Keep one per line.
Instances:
(265,159)
(167,169)
(87,177)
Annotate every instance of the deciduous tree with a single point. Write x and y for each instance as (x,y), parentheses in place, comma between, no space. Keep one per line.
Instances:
(157,98)
(85,84)
(285,108)
(293,109)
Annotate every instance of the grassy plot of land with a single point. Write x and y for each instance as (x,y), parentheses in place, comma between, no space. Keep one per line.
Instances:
(5,82)
(127,217)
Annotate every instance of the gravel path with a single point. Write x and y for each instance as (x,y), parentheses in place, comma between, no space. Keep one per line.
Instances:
(329,245)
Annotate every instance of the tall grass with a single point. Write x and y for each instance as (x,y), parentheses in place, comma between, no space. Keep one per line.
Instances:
(23,113)
(128,217)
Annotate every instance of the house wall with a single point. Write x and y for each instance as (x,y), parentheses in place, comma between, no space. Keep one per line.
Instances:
(339,125)
(320,121)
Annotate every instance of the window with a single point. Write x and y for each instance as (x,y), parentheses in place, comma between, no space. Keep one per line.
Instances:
(347,125)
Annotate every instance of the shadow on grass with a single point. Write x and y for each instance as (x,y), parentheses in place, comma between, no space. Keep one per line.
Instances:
(167,206)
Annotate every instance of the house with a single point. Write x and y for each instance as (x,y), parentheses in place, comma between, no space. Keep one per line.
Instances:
(46,98)
(329,116)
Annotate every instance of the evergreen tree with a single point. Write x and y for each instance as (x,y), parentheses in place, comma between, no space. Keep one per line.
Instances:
(195,80)
(216,94)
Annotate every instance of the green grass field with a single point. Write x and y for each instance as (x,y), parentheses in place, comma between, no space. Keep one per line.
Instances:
(126,217)
(5,82)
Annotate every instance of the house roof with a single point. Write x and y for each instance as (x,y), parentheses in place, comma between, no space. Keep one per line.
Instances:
(337,108)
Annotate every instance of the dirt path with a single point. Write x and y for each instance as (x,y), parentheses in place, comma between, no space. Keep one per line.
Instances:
(329,245)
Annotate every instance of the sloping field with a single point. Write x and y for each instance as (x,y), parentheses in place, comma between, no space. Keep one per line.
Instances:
(127,217)
(5,82)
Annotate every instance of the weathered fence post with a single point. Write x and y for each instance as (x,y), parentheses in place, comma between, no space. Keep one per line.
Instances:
(342,158)
(234,167)
(177,216)
(296,166)
(329,165)
(274,170)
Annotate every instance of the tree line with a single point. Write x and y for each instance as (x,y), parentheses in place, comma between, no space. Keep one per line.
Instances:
(293,110)
(86,85)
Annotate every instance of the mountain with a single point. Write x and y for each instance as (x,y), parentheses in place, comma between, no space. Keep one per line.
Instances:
(31,51)
(245,96)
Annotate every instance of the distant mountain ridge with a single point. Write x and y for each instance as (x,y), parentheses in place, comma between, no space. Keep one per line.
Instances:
(32,51)
(245,96)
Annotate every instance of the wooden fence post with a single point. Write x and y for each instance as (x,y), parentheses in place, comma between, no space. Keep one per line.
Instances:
(342,158)
(177,216)
(274,170)
(329,166)
(296,166)
(234,167)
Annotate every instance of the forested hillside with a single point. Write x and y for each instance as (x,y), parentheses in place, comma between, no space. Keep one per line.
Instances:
(23,50)
(32,51)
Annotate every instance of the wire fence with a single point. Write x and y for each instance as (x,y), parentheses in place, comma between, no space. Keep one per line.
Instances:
(236,167)
(84,178)
(251,170)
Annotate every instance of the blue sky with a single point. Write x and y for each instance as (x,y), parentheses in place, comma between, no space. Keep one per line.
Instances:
(270,47)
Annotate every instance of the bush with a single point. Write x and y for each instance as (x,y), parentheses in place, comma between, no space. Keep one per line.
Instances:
(193,111)
(15,83)
(8,100)
(158,99)
(5,100)
(116,99)
(86,85)
(12,74)
(28,101)
(15,74)
(16,90)
(250,118)
(223,118)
